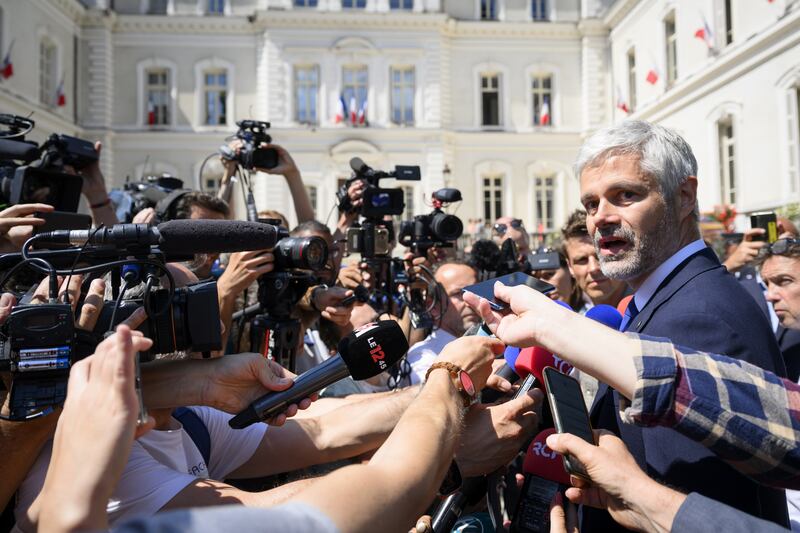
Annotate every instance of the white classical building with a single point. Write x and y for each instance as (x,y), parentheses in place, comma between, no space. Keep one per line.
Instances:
(490,96)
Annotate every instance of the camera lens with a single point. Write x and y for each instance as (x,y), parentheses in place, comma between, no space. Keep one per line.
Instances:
(446,227)
(305,253)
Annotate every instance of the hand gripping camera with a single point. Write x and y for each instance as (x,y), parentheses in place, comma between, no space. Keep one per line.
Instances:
(252,133)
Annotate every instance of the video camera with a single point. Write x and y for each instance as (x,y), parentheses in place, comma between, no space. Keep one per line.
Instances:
(252,133)
(30,173)
(150,192)
(434,229)
(372,237)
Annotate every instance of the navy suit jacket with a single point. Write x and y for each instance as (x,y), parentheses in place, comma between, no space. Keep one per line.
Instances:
(701,306)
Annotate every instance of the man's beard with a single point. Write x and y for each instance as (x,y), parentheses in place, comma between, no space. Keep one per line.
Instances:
(647,252)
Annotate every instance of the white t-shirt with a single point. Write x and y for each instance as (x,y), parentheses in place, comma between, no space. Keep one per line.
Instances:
(422,355)
(161,464)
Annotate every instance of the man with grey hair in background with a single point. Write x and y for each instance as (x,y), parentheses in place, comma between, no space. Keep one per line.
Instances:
(639,188)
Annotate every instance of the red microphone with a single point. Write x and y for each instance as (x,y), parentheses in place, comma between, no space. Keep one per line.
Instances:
(533,360)
(544,475)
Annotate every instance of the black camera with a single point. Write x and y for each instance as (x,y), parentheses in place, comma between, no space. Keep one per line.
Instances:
(38,350)
(378,202)
(437,228)
(252,133)
(33,174)
(188,322)
(151,191)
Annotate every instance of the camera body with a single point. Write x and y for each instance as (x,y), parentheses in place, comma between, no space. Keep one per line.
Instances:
(38,350)
(138,195)
(252,133)
(437,228)
(189,321)
(23,179)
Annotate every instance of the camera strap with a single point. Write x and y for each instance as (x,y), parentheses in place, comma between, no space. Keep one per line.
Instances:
(194,426)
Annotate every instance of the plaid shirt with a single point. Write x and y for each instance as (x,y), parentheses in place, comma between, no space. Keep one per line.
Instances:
(745,415)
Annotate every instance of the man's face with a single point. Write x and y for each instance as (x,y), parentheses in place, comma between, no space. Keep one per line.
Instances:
(585,268)
(632,227)
(518,234)
(458,317)
(782,276)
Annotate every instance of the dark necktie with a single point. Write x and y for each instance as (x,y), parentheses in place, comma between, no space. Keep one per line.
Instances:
(630,313)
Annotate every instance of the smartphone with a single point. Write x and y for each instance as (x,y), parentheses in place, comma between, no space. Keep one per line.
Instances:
(569,413)
(485,289)
(767,221)
(56,220)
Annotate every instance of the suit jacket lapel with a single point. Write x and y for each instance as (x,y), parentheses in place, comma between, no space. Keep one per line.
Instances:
(693,266)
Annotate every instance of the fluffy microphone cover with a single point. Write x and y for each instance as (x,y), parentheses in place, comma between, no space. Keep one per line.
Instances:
(215,236)
(373,348)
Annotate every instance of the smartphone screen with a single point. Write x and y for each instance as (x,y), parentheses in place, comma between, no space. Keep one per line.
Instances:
(569,412)
(485,289)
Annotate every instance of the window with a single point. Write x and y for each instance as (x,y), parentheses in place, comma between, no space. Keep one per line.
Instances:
(306,89)
(157,97)
(543,193)
(354,4)
(793,136)
(539,9)
(401,4)
(48,72)
(490,99)
(492,197)
(542,97)
(312,196)
(671,41)
(305,3)
(215,90)
(727,160)
(157,7)
(632,79)
(728,23)
(403,96)
(354,90)
(488,9)
(216,7)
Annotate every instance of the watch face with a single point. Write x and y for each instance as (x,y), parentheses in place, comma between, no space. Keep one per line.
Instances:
(466,382)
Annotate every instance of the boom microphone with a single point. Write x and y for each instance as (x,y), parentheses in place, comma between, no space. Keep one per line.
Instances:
(365,353)
(544,474)
(184,237)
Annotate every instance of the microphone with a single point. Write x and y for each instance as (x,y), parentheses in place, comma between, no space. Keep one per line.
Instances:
(365,353)
(544,475)
(184,237)
(605,314)
(358,165)
(507,372)
(533,360)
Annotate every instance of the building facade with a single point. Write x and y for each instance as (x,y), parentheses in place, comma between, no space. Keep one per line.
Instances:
(490,96)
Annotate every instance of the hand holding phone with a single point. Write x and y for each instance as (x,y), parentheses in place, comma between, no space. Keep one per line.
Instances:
(485,289)
(569,414)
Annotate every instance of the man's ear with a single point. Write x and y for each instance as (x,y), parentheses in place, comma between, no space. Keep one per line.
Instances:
(688,196)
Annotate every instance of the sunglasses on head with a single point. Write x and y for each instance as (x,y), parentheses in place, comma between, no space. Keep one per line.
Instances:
(501,229)
(782,246)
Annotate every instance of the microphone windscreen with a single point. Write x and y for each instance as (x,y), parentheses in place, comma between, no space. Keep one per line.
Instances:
(563,304)
(510,355)
(357,164)
(543,462)
(605,314)
(215,236)
(623,304)
(18,150)
(533,360)
(373,348)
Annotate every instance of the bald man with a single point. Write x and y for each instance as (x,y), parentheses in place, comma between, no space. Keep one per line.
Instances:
(456,317)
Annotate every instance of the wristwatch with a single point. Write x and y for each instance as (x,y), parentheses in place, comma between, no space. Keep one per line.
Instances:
(461,380)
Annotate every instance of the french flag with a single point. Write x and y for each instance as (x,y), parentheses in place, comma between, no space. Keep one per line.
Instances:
(621,103)
(544,114)
(341,110)
(61,98)
(362,113)
(353,110)
(7,69)
(705,34)
(151,113)
(652,75)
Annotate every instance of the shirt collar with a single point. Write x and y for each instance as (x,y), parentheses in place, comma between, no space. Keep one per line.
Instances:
(654,280)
